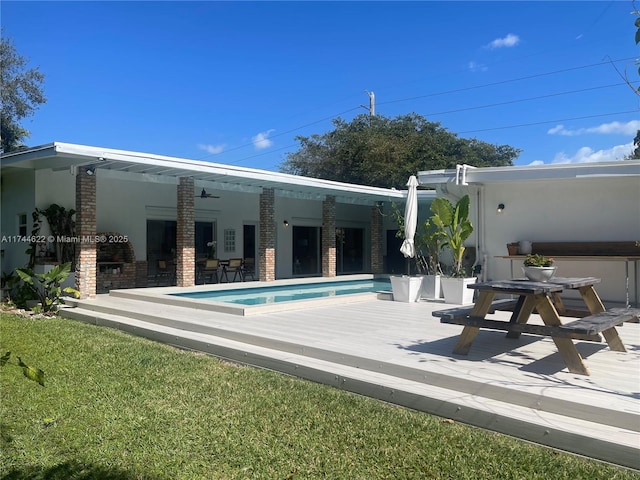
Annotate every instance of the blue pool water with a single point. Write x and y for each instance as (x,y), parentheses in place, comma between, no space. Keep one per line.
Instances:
(287,293)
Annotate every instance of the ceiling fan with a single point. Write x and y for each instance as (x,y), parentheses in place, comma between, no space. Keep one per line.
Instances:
(204,194)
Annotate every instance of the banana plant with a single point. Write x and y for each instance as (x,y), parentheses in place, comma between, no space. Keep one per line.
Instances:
(46,287)
(453,228)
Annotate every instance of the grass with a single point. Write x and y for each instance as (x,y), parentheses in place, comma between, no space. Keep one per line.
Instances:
(120,407)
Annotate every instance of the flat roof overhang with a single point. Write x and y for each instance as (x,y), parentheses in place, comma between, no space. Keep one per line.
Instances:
(164,169)
(468,175)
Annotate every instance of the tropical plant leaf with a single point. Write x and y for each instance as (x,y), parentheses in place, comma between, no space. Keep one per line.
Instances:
(32,373)
(72,291)
(26,277)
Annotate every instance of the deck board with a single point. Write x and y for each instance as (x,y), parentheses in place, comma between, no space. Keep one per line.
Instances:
(404,340)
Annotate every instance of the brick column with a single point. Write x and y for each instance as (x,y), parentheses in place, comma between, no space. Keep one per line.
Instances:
(376,238)
(86,227)
(267,243)
(185,237)
(329,236)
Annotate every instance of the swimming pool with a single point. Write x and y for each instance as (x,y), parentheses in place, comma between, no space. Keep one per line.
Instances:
(291,293)
(287,293)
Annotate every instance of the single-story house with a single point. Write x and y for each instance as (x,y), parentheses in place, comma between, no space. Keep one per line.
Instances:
(136,211)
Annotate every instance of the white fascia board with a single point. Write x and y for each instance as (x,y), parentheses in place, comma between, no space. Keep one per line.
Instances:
(484,175)
(200,170)
(26,157)
(259,177)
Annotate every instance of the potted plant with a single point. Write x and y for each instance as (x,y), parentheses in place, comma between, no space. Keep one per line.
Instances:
(212,249)
(428,260)
(512,248)
(539,268)
(453,227)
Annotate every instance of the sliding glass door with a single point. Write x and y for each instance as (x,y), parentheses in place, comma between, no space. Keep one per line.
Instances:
(306,251)
(349,250)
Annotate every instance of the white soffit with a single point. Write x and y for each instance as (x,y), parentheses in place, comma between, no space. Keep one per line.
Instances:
(138,166)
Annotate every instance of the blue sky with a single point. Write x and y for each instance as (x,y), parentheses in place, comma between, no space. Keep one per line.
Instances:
(236,82)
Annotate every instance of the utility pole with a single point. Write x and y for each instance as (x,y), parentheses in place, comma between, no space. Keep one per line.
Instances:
(372,104)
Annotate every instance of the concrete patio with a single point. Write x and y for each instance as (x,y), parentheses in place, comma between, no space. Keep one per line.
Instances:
(399,353)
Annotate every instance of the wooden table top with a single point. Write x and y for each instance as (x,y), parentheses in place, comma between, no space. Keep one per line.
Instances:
(524,286)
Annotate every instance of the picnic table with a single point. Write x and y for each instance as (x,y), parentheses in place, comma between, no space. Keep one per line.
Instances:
(540,296)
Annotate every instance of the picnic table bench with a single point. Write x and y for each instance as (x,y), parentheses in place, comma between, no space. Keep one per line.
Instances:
(538,296)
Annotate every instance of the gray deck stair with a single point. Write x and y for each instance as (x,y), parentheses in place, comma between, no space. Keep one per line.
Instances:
(594,428)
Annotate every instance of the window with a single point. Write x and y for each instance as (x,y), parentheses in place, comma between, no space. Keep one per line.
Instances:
(22,224)
(229,240)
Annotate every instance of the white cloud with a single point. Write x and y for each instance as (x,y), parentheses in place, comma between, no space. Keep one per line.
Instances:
(213,149)
(558,129)
(477,67)
(261,140)
(589,155)
(612,128)
(510,40)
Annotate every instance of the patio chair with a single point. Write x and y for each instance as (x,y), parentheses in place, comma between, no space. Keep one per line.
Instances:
(210,269)
(235,267)
(164,272)
(249,268)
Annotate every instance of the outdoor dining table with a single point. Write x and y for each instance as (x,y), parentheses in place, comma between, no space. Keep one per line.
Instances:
(531,296)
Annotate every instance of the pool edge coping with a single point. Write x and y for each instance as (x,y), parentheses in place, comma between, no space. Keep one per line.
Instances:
(163,295)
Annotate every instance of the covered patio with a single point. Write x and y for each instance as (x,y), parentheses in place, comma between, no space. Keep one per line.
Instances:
(171,209)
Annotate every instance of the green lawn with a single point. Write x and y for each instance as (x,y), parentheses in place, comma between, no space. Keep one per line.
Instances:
(120,407)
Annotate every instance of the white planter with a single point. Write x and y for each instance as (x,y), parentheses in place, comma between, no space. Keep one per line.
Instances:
(539,274)
(405,288)
(524,247)
(455,290)
(431,287)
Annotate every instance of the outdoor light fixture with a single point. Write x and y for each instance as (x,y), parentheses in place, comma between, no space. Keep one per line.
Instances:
(500,207)
(285,223)
(90,170)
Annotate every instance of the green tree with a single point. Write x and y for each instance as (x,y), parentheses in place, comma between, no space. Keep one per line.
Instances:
(635,155)
(384,152)
(21,94)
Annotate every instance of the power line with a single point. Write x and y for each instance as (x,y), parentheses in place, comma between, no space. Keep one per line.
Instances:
(548,121)
(285,132)
(509,102)
(504,127)
(502,82)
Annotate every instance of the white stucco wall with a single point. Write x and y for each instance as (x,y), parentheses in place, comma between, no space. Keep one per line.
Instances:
(17,197)
(124,206)
(587,209)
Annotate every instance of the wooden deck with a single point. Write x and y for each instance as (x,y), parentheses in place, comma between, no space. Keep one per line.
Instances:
(400,353)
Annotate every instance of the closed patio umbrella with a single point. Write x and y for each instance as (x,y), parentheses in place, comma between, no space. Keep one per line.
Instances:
(408,247)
